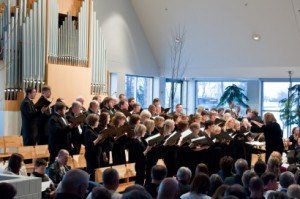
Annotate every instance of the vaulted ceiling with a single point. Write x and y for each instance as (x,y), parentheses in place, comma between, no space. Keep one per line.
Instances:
(219,36)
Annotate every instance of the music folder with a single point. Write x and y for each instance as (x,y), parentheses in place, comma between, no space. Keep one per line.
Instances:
(202,141)
(78,120)
(122,130)
(166,110)
(126,113)
(154,139)
(173,138)
(42,102)
(108,132)
(223,136)
(185,136)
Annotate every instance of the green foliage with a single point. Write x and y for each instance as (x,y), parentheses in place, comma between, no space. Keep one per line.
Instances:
(234,94)
(290,112)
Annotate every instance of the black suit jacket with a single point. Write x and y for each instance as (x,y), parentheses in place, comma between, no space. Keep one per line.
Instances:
(29,115)
(59,133)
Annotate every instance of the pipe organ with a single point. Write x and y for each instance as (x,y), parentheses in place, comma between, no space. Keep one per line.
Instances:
(35,33)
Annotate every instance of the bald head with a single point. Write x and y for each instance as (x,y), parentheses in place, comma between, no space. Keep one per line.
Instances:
(62,157)
(168,189)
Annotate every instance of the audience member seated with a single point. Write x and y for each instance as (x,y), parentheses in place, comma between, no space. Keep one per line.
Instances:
(99,193)
(220,192)
(256,187)
(293,191)
(278,156)
(201,168)
(226,165)
(59,167)
(135,187)
(215,182)
(158,173)
(39,171)
(74,185)
(297,177)
(260,167)
(7,190)
(292,168)
(247,175)
(240,166)
(183,177)
(286,179)
(111,182)
(199,188)
(168,189)
(15,164)
(277,195)
(270,183)
(273,166)
(235,190)
(136,194)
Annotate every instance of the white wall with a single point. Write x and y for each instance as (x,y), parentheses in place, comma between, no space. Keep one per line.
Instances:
(128,50)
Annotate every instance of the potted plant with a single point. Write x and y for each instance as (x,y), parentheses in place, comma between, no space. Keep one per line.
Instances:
(234,94)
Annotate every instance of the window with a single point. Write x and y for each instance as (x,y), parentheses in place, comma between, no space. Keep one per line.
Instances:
(141,88)
(174,86)
(273,92)
(208,93)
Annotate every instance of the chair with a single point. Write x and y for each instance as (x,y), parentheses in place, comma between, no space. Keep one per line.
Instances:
(79,161)
(42,151)
(28,153)
(98,174)
(82,149)
(71,162)
(12,143)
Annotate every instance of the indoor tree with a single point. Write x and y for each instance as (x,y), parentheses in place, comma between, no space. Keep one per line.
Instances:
(233,94)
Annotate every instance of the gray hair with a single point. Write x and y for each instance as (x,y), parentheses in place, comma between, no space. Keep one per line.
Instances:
(240,166)
(184,174)
(294,191)
(286,179)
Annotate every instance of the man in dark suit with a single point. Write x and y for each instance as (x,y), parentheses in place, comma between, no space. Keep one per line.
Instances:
(43,116)
(29,115)
(59,131)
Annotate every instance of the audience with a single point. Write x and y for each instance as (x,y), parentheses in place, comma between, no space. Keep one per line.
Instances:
(168,189)
(270,183)
(215,182)
(199,187)
(7,190)
(158,173)
(286,179)
(260,167)
(240,166)
(235,190)
(183,177)
(247,175)
(14,166)
(256,187)
(294,191)
(226,165)
(99,193)
(111,182)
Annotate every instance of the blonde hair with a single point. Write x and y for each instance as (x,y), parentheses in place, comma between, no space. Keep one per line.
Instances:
(195,126)
(139,130)
(116,119)
(169,126)
(158,119)
(227,116)
(269,117)
(149,124)
(227,122)
(145,114)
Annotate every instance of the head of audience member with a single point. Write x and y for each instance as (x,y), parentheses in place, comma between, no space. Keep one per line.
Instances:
(200,184)
(226,164)
(100,193)
(119,119)
(183,126)
(293,191)
(104,120)
(169,126)
(60,108)
(168,189)
(276,154)
(247,175)
(8,191)
(256,187)
(135,187)
(40,166)
(15,163)
(159,122)
(136,194)
(134,119)
(178,108)
(30,92)
(140,131)
(235,190)
(201,168)
(292,168)
(195,128)
(273,166)
(260,167)
(94,106)
(122,96)
(277,195)
(145,114)
(76,108)
(286,179)
(62,157)
(75,182)
(131,101)
(240,166)
(46,91)
(92,120)
(297,177)
(80,99)
(152,109)
(270,181)
(110,178)
(150,125)
(136,108)
(215,182)
(98,98)
(220,192)
(184,175)
(123,104)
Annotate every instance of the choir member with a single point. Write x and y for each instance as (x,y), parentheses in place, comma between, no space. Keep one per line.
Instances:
(93,108)
(136,109)
(131,102)
(178,110)
(98,98)
(104,120)
(93,148)
(145,114)
(159,124)
(272,133)
(81,100)
(29,117)
(108,106)
(229,126)
(152,110)
(140,153)
(293,139)
(150,125)
(43,116)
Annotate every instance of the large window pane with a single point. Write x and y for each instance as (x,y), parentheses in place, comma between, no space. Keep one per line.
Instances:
(141,88)
(177,89)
